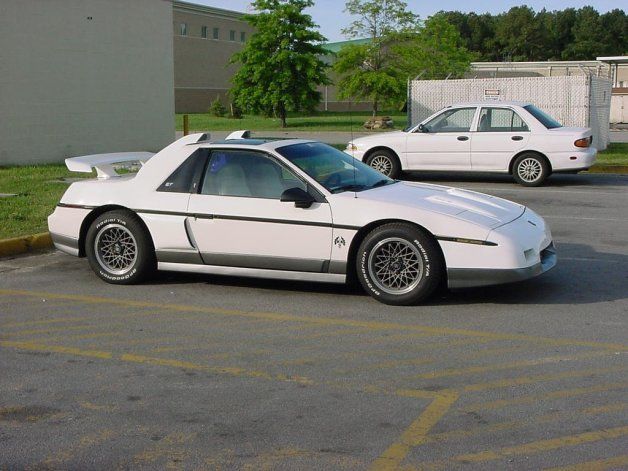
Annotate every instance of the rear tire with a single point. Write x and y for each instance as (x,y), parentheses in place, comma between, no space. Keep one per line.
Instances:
(530,169)
(399,264)
(384,161)
(119,249)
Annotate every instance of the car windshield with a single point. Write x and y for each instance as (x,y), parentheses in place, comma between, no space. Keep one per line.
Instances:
(332,168)
(545,119)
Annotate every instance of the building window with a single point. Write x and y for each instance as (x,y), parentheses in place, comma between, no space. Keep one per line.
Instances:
(216,33)
(242,36)
(183,29)
(232,35)
(204,32)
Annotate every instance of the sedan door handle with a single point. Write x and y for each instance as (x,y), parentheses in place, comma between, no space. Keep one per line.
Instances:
(517,138)
(463,138)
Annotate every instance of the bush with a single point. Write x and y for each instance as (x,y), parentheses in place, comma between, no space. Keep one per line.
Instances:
(217,108)
(236,112)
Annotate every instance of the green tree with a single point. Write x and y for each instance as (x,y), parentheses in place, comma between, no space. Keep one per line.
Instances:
(399,46)
(372,70)
(281,64)
(437,51)
(519,35)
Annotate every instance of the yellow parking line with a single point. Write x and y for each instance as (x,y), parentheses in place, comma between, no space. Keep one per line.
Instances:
(128,357)
(171,447)
(392,364)
(233,371)
(21,333)
(532,420)
(521,380)
(281,317)
(606,408)
(82,336)
(415,434)
(54,460)
(542,397)
(31,346)
(542,446)
(506,366)
(43,322)
(597,465)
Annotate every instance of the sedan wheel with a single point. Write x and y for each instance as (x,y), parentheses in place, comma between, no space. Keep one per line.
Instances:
(385,162)
(119,249)
(530,170)
(399,264)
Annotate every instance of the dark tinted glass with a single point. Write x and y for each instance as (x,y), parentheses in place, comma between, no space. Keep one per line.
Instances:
(545,119)
(183,179)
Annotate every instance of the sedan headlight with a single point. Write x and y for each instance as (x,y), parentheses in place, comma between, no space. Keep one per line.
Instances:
(352,146)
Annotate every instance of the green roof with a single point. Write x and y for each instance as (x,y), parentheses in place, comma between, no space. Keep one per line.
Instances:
(335,47)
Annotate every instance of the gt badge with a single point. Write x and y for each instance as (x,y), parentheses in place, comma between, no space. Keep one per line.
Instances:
(339,242)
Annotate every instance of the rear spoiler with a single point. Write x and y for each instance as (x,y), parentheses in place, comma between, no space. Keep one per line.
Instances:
(103,163)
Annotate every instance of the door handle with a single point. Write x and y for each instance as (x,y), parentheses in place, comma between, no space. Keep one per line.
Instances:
(517,138)
(463,138)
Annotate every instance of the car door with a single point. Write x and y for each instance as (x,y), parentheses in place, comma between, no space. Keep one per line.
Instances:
(240,221)
(443,143)
(501,133)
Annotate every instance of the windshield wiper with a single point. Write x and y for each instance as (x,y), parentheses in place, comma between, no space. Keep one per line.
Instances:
(382,182)
(351,187)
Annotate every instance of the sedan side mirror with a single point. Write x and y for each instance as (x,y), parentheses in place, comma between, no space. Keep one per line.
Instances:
(423,128)
(298,196)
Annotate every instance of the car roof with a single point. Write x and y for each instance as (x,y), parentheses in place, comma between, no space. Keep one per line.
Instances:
(488,103)
(269,143)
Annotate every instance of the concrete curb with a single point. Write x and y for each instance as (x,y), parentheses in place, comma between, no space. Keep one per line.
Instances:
(25,244)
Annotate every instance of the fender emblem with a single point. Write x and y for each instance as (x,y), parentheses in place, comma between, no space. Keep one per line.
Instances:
(339,242)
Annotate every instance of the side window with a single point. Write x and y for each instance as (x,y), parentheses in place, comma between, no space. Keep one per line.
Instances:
(247,174)
(500,120)
(184,179)
(458,120)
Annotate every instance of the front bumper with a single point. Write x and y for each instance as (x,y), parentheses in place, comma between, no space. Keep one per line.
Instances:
(474,277)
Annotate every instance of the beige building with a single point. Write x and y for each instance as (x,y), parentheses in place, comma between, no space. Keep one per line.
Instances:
(205,38)
(80,77)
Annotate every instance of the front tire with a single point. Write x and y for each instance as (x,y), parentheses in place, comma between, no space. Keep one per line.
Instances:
(530,169)
(384,161)
(399,264)
(119,249)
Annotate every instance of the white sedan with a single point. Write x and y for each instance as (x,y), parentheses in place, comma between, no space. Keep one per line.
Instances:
(292,209)
(504,137)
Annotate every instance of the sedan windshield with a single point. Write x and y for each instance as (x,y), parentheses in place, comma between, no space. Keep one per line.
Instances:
(545,119)
(332,168)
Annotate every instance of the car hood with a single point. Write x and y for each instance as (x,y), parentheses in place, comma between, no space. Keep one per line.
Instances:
(377,136)
(478,208)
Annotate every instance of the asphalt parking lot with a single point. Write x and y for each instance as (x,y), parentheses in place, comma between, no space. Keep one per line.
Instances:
(200,372)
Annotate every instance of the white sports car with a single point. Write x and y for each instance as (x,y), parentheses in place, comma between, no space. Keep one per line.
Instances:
(503,137)
(292,209)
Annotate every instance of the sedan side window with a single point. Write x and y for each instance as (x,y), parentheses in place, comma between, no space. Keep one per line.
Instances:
(457,120)
(500,120)
(247,174)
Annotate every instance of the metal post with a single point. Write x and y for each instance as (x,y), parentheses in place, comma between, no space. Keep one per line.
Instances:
(186,125)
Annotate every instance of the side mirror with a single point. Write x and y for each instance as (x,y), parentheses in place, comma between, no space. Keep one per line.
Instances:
(300,198)
(422,128)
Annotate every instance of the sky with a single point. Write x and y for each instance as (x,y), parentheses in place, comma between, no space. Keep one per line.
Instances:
(329,15)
